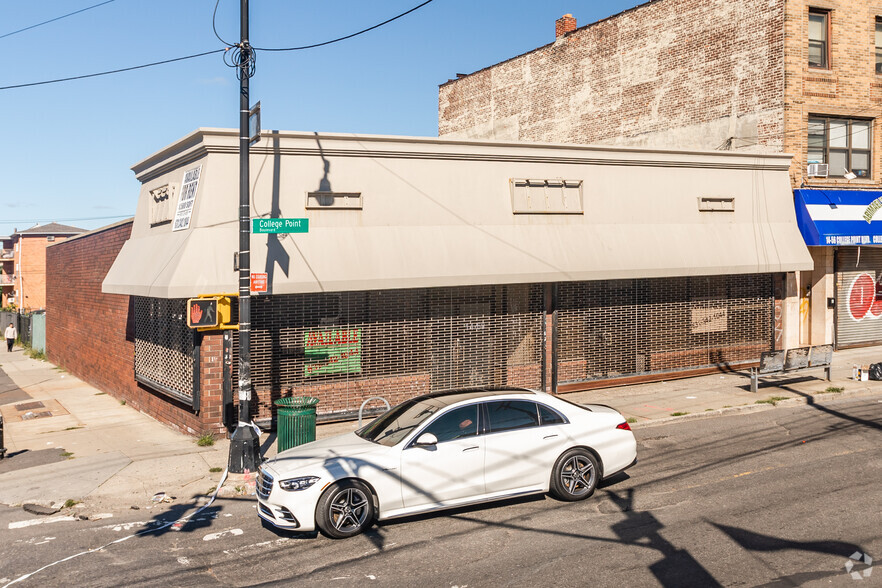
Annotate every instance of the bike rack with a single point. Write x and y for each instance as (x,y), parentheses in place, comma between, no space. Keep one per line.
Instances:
(361,408)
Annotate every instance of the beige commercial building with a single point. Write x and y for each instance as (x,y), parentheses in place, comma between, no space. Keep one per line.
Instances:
(400,265)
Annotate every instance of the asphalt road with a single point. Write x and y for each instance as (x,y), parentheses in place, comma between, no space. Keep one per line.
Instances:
(777,498)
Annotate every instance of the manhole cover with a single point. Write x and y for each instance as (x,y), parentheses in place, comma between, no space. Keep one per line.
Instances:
(29,406)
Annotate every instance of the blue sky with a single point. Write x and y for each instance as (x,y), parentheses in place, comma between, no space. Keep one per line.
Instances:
(68,147)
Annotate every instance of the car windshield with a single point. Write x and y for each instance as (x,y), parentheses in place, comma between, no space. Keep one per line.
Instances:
(394,425)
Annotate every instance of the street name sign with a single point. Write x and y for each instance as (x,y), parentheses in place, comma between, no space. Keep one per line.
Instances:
(280,225)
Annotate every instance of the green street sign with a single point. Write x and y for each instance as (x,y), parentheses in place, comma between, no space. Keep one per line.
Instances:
(280,225)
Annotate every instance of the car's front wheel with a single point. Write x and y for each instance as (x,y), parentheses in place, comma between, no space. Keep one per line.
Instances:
(575,475)
(345,509)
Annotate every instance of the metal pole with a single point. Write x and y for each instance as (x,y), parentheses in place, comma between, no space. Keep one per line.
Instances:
(244,444)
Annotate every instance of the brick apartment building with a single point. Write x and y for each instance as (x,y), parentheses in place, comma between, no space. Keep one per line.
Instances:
(762,76)
(7,270)
(24,264)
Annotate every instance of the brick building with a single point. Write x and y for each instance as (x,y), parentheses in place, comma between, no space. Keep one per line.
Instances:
(28,252)
(7,271)
(762,76)
(98,346)
(427,264)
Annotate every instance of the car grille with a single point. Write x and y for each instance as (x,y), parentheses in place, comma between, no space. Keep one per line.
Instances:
(264,484)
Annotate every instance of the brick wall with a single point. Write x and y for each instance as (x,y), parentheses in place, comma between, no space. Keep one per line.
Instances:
(667,74)
(90,333)
(849,87)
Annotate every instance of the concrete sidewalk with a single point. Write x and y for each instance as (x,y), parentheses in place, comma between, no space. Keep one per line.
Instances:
(68,441)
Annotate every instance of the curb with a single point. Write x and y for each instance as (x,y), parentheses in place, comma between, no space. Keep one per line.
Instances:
(748,408)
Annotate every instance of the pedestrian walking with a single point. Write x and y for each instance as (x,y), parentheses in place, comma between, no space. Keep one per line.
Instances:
(10,336)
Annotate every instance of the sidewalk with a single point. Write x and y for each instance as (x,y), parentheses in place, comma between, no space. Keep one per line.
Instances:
(77,443)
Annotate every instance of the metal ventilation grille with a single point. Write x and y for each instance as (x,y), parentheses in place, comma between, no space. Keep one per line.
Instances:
(346,347)
(617,328)
(164,345)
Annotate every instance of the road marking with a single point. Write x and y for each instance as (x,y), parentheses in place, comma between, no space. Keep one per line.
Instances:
(231,532)
(257,545)
(32,522)
(183,561)
(45,540)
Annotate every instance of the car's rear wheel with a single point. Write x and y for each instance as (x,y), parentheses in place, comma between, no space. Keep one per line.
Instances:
(345,509)
(575,475)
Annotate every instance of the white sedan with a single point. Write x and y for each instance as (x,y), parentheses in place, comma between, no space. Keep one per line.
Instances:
(445,450)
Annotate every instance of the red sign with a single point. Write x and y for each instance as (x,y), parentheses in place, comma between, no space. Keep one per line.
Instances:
(258,282)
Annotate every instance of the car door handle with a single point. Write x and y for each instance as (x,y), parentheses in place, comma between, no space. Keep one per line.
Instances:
(549,436)
(469,448)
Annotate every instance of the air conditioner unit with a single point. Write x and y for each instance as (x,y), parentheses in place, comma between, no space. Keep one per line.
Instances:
(817,170)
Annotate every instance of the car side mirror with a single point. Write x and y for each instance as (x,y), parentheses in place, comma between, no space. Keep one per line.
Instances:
(427,439)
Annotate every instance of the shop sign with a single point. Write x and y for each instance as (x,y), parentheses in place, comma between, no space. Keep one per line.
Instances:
(186,199)
(709,320)
(334,351)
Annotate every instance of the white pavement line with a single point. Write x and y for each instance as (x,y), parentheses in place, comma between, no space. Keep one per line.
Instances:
(126,538)
(278,541)
(32,522)
(227,533)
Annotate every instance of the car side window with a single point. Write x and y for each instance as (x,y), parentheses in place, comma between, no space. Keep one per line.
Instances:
(508,415)
(455,424)
(549,416)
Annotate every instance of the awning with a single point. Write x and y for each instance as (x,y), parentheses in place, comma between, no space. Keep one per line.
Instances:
(839,217)
(200,261)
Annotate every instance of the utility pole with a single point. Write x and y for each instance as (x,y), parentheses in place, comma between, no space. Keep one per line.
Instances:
(244,444)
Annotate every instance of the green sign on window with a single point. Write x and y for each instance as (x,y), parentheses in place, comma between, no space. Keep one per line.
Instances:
(335,351)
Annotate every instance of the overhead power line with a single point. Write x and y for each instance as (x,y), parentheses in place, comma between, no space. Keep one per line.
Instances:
(39,24)
(113,71)
(155,63)
(337,40)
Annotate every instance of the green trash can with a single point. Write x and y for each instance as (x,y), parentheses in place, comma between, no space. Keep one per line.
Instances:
(296,421)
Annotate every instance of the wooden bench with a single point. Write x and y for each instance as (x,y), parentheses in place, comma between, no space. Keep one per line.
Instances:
(788,361)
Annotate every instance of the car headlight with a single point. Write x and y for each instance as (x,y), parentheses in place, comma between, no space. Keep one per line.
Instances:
(293,484)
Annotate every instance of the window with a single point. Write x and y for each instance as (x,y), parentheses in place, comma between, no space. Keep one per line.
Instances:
(819,26)
(456,424)
(878,45)
(550,416)
(508,415)
(842,143)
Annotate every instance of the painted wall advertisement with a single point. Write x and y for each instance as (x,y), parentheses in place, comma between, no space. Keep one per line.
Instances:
(335,351)
(865,297)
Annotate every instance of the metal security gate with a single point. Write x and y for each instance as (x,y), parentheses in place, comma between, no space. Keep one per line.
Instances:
(859,308)
(618,328)
(345,347)
(164,347)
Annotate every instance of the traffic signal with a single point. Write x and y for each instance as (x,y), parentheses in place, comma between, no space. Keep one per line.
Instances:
(209,312)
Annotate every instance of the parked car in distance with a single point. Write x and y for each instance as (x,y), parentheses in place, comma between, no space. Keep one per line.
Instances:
(445,450)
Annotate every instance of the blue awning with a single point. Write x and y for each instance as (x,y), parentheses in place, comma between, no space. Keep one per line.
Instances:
(839,217)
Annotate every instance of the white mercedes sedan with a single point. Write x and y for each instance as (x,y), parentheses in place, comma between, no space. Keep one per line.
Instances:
(445,450)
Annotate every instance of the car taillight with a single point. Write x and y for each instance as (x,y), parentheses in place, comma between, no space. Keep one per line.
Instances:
(624,426)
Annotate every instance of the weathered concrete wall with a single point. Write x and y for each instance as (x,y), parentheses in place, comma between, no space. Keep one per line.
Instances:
(671,74)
